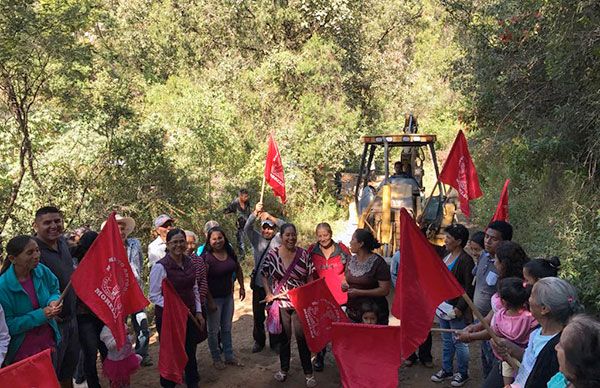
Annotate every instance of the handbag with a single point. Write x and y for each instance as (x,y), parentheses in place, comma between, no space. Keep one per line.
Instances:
(273,321)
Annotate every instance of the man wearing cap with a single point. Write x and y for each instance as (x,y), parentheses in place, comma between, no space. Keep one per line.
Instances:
(262,241)
(158,248)
(55,255)
(133,247)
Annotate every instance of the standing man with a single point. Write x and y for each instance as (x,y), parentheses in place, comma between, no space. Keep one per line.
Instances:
(55,255)
(485,281)
(262,241)
(241,208)
(158,248)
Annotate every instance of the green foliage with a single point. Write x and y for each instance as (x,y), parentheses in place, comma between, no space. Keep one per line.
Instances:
(530,71)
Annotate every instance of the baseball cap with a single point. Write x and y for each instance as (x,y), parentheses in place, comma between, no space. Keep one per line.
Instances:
(269,223)
(161,220)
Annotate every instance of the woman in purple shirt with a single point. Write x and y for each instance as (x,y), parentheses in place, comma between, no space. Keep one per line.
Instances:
(29,294)
(222,265)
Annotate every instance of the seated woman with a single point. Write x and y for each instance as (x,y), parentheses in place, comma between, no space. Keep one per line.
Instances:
(287,267)
(552,302)
(577,352)
(367,277)
(29,294)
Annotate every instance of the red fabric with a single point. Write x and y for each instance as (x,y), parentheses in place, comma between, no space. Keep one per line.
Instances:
(104,281)
(332,270)
(367,356)
(274,170)
(423,283)
(317,310)
(501,213)
(171,354)
(460,173)
(36,371)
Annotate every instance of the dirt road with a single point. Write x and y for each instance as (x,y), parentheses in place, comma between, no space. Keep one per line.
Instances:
(259,368)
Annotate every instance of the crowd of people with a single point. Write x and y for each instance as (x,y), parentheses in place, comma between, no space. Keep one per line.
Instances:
(533,332)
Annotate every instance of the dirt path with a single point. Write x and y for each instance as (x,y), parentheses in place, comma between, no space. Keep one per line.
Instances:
(260,367)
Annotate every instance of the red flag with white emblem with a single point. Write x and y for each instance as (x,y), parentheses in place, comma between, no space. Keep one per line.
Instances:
(104,281)
(460,173)
(501,213)
(274,170)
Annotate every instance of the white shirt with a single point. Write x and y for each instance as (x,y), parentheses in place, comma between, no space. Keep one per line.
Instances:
(115,354)
(537,341)
(157,274)
(4,336)
(156,251)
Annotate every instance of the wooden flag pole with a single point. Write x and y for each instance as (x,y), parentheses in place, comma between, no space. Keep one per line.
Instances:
(440,330)
(511,361)
(194,320)
(64,293)
(262,189)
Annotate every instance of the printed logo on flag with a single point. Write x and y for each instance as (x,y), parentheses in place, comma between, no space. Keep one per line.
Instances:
(322,309)
(461,179)
(114,284)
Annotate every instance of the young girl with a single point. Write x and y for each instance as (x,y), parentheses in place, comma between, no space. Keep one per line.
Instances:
(537,269)
(513,321)
(119,364)
(370,312)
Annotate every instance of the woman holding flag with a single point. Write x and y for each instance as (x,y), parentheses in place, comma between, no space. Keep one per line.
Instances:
(181,272)
(30,295)
(287,267)
(329,259)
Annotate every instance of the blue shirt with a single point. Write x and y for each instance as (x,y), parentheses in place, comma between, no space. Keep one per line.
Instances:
(537,341)
(394,266)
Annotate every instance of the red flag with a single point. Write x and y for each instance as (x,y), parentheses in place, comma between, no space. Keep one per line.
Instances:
(274,170)
(35,371)
(105,283)
(460,173)
(317,309)
(423,283)
(501,213)
(367,355)
(171,354)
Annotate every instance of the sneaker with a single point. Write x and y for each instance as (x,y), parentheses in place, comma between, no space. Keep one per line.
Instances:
(311,381)
(441,375)
(459,379)
(428,364)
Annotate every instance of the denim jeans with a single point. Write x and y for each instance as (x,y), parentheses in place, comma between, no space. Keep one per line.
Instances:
(451,347)
(487,358)
(221,320)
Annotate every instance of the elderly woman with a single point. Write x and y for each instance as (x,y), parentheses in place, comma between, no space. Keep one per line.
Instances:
(552,302)
(221,265)
(29,294)
(181,272)
(577,353)
(329,259)
(286,267)
(368,277)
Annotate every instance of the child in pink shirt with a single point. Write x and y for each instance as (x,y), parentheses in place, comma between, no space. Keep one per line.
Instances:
(513,320)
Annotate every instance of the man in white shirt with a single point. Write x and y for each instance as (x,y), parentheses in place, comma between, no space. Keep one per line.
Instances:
(158,248)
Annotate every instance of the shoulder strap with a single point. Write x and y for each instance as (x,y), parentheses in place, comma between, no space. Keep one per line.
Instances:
(262,256)
(288,271)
